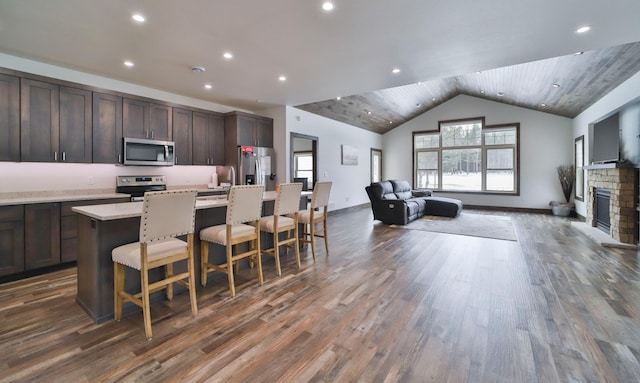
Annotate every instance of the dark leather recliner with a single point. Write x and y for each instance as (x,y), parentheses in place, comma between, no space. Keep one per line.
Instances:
(393,202)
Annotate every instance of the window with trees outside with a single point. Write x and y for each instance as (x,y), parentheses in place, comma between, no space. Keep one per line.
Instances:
(468,156)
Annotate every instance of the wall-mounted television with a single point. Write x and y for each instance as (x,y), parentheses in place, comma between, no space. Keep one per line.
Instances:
(606,140)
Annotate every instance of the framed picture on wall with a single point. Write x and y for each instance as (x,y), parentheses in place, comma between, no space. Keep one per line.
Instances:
(349,155)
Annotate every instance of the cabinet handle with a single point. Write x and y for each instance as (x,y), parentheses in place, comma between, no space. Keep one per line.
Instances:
(64,156)
(55,156)
(152,134)
(118,158)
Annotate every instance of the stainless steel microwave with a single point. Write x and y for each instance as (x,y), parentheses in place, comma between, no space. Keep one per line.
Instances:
(139,151)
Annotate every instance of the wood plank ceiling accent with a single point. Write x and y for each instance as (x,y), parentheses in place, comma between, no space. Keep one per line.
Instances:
(582,79)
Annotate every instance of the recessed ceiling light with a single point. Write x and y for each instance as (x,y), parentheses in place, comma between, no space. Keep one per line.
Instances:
(390,122)
(500,94)
(482,92)
(227,55)
(208,86)
(282,78)
(328,6)
(418,105)
(369,112)
(138,18)
(338,98)
(129,63)
(198,69)
(419,83)
(578,53)
(543,105)
(433,99)
(395,70)
(556,85)
(583,29)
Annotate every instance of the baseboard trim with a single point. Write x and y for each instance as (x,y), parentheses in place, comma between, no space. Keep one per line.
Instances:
(509,209)
(366,205)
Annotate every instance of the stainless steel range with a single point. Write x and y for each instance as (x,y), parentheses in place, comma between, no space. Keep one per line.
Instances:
(136,186)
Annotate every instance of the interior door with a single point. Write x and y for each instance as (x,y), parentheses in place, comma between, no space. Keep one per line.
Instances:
(376,165)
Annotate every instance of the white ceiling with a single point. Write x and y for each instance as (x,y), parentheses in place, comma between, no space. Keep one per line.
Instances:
(349,51)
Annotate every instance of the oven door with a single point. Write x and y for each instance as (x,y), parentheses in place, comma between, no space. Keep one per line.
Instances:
(138,151)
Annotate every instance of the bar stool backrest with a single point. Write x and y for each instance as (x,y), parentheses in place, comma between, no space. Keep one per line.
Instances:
(320,196)
(245,204)
(167,214)
(288,199)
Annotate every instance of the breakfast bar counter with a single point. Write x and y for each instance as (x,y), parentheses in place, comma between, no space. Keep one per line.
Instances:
(105,227)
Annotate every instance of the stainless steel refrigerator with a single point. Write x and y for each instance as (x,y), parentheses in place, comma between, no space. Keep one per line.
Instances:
(256,166)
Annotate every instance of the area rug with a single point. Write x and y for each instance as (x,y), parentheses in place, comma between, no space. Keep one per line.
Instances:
(475,225)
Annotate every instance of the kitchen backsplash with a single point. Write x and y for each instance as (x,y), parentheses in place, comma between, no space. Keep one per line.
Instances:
(36,176)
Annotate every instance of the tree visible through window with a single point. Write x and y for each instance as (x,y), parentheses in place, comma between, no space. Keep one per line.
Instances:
(467,156)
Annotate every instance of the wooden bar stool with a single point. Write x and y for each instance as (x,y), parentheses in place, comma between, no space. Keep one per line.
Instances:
(165,215)
(316,214)
(244,206)
(287,202)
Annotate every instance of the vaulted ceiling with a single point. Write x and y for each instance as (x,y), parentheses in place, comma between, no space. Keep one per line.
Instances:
(564,86)
(349,51)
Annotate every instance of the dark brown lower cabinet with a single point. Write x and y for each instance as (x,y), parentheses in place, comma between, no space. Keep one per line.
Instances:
(41,235)
(11,240)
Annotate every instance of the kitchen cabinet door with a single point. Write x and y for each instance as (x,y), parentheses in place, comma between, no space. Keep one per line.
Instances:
(107,128)
(41,235)
(9,118)
(183,135)
(216,139)
(208,139)
(264,132)
(160,122)
(135,118)
(11,240)
(40,118)
(75,125)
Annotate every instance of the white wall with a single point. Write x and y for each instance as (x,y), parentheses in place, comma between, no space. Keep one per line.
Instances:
(348,181)
(622,97)
(545,143)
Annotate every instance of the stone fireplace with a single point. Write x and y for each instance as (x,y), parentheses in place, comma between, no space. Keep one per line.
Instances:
(620,184)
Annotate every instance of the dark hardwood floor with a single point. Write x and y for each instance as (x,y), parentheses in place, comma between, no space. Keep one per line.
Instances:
(387,305)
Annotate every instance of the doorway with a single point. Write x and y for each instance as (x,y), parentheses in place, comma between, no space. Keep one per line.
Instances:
(376,165)
(303,159)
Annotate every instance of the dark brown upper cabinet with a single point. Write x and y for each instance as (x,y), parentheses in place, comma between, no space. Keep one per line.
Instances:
(55,123)
(75,125)
(183,135)
(9,118)
(142,119)
(40,121)
(247,129)
(107,128)
(208,139)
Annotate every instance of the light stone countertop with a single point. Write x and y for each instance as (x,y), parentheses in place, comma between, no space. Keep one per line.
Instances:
(108,212)
(27,198)
(113,211)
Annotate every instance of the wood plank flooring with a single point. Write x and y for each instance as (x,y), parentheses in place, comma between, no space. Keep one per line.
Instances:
(387,305)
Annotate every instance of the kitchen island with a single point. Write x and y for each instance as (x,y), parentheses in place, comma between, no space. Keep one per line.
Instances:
(105,227)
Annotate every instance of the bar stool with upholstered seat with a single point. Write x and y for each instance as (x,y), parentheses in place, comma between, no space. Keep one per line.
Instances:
(165,215)
(244,206)
(316,214)
(287,202)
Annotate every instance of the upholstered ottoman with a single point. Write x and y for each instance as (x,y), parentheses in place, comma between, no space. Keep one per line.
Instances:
(441,206)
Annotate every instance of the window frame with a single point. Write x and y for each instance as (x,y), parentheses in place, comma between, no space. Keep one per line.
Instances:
(483,150)
(296,169)
(579,169)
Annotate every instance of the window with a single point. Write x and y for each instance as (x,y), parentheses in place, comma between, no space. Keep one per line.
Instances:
(303,166)
(467,156)
(579,166)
